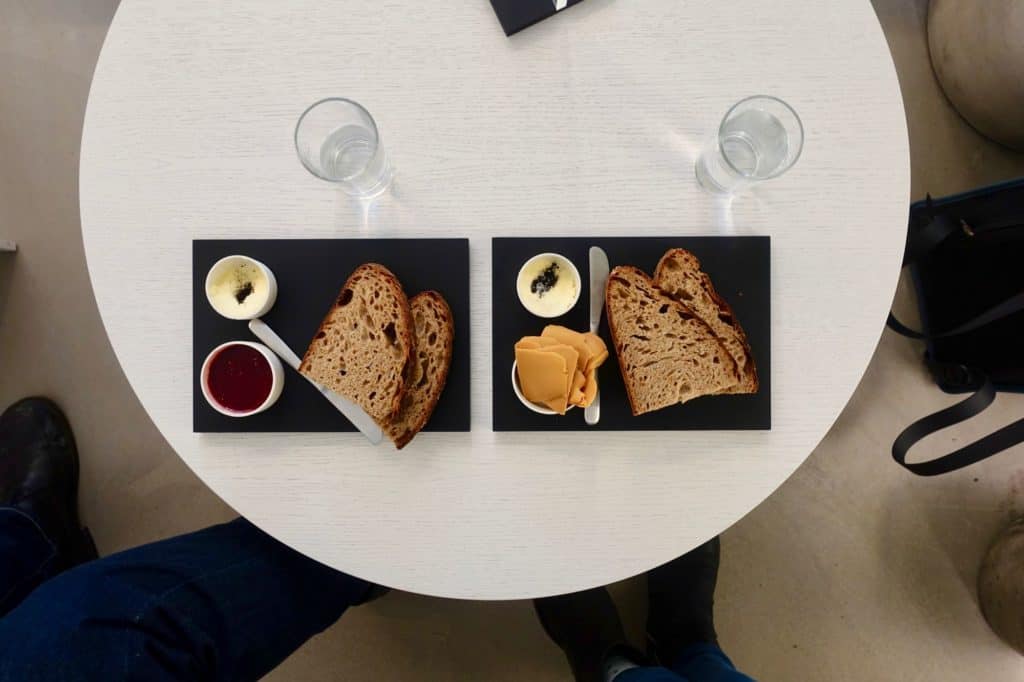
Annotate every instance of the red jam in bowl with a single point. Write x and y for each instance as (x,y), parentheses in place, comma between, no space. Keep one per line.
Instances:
(240,378)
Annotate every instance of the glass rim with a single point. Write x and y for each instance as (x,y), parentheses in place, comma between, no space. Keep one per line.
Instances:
(745,100)
(314,105)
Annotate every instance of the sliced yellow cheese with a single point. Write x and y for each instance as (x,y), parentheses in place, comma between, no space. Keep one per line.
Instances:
(545,376)
(591,348)
(558,405)
(571,357)
(542,375)
(537,342)
(569,338)
(589,388)
(559,368)
(576,394)
(599,351)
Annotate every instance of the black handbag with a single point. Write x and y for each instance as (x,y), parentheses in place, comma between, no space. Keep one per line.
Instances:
(966,256)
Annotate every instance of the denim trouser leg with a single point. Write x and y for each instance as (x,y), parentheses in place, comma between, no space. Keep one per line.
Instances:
(698,663)
(27,558)
(225,603)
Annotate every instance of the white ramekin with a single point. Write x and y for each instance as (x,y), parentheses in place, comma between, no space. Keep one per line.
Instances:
(276,386)
(534,407)
(230,261)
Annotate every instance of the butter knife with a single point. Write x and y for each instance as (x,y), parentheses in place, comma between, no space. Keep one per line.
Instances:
(598,280)
(352,412)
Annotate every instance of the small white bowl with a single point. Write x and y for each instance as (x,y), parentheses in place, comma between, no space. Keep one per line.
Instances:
(251,311)
(539,409)
(567,304)
(276,386)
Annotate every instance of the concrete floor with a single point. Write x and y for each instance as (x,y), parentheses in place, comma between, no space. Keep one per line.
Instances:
(853,570)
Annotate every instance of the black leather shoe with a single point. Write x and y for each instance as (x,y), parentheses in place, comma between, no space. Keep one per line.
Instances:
(373,593)
(39,475)
(586,626)
(681,603)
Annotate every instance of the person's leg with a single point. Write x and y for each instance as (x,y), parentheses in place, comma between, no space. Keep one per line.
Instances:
(586,627)
(707,663)
(40,534)
(27,558)
(226,603)
(681,621)
(680,627)
(648,675)
(699,663)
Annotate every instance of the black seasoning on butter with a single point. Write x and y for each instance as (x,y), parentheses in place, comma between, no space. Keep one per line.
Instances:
(243,292)
(545,281)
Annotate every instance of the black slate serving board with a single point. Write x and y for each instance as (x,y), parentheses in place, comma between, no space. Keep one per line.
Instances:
(740,268)
(310,273)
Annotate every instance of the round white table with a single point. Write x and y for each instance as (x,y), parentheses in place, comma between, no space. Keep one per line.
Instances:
(587,124)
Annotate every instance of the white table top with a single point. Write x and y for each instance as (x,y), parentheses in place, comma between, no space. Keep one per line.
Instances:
(588,123)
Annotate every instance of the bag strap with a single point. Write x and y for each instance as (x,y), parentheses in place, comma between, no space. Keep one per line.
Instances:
(1010,306)
(995,442)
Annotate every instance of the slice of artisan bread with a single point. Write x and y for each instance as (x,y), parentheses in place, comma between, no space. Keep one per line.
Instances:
(433,338)
(667,354)
(364,343)
(680,276)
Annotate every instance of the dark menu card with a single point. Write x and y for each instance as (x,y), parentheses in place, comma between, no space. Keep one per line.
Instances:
(515,15)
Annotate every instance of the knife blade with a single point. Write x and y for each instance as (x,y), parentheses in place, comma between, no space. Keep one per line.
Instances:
(352,412)
(599,269)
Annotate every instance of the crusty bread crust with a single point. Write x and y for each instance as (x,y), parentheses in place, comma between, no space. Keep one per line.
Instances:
(433,343)
(364,343)
(666,353)
(680,276)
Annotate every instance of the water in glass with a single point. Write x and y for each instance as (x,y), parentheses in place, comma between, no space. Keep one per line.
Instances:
(761,137)
(751,146)
(347,152)
(755,143)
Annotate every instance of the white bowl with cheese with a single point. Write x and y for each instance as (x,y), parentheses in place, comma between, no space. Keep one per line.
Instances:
(241,288)
(532,406)
(548,285)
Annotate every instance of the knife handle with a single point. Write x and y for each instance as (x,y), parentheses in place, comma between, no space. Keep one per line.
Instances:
(268,336)
(592,414)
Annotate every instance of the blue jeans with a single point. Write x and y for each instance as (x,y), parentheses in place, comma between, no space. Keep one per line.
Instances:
(228,602)
(698,663)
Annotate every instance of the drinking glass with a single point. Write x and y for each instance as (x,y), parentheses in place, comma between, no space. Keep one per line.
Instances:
(760,138)
(337,140)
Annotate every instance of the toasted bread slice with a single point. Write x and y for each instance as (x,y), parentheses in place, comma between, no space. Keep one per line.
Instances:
(680,276)
(364,343)
(433,340)
(666,353)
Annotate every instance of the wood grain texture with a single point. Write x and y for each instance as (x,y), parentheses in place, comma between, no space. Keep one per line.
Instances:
(588,123)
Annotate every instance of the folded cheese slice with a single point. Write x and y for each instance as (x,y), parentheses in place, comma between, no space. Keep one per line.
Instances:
(559,368)
(592,352)
(592,349)
(547,372)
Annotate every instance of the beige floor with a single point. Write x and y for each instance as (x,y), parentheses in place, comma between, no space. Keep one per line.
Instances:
(853,570)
